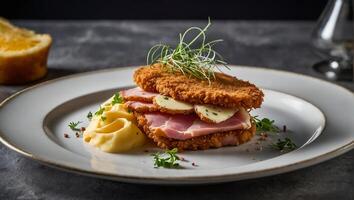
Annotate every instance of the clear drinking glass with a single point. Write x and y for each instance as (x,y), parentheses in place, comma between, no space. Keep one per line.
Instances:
(333,39)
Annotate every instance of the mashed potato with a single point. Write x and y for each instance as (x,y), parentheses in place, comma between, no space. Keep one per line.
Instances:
(114,129)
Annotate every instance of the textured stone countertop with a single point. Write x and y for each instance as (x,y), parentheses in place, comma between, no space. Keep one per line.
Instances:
(90,45)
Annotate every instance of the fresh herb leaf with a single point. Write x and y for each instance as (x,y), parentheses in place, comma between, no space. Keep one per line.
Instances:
(103,118)
(117,99)
(168,159)
(198,62)
(284,145)
(265,124)
(73,126)
(100,111)
(89,115)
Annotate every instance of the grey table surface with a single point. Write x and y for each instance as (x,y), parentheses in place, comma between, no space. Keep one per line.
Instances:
(90,45)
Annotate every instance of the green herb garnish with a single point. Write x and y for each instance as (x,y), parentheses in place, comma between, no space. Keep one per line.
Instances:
(103,118)
(117,99)
(100,111)
(73,126)
(284,145)
(168,159)
(198,62)
(265,124)
(89,115)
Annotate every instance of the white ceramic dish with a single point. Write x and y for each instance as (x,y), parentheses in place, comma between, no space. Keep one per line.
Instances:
(33,122)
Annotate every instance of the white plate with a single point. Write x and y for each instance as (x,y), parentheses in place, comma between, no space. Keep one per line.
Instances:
(33,122)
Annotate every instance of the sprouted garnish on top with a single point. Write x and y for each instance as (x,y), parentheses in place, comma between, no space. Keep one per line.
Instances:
(199,61)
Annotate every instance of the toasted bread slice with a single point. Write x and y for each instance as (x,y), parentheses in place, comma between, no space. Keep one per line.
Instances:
(224,90)
(215,140)
(23,54)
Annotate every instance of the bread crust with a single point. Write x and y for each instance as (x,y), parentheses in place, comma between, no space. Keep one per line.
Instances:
(215,140)
(225,90)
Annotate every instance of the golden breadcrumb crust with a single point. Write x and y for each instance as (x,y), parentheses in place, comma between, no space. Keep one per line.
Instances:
(214,140)
(225,90)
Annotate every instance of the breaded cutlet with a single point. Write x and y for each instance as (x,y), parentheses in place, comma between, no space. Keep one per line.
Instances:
(215,140)
(224,90)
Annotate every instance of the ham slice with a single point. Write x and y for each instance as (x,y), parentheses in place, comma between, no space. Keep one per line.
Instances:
(137,94)
(182,127)
(141,106)
(179,126)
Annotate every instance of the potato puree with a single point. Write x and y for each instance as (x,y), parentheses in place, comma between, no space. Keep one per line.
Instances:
(114,130)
